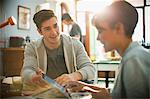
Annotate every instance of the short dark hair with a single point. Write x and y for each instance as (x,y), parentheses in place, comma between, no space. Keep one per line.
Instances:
(42,16)
(66,16)
(119,11)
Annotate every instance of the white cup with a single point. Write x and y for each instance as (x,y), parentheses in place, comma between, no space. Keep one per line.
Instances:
(81,95)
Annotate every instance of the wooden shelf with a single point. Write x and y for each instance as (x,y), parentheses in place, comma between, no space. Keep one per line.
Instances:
(12,49)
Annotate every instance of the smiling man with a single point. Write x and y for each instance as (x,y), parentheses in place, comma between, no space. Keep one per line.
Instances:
(59,56)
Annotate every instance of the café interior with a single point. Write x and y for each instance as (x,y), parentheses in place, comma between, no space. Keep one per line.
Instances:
(17,29)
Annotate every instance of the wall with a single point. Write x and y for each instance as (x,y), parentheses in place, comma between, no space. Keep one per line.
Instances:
(1,18)
(9,8)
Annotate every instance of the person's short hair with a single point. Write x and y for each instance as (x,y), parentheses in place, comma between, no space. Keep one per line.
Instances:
(119,11)
(66,16)
(42,16)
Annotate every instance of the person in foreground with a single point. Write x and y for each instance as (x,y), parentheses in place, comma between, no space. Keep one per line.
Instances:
(74,29)
(115,29)
(60,57)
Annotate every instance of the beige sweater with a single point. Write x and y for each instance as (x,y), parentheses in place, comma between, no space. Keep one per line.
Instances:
(75,57)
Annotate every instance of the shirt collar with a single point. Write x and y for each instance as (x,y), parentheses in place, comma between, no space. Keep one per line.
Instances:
(130,47)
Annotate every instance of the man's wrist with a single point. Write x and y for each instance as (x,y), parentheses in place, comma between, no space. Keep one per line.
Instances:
(77,76)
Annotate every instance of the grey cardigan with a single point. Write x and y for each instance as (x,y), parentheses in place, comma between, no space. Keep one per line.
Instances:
(75,57)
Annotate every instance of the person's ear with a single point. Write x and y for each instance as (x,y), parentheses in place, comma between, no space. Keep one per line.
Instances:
(39,30)
(119,28)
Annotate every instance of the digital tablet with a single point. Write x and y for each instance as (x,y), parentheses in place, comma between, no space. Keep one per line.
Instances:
(54,84)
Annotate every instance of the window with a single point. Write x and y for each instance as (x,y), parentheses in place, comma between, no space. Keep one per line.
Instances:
(142,30)
(147,24)
(138,32)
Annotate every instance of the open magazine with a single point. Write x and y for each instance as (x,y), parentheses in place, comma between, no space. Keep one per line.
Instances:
(55,90)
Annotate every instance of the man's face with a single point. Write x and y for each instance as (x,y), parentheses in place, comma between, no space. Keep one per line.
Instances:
(65,22)
(107,36)
(50,30)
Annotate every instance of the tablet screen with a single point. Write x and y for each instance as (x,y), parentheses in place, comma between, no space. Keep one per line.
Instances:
(55,85)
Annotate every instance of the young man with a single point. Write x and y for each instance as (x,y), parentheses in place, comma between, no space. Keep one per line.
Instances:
(115,29)
(73,28)
(59,56)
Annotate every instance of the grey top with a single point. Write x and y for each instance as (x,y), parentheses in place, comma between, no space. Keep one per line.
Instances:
(133,80)
(56,62)
(75,30)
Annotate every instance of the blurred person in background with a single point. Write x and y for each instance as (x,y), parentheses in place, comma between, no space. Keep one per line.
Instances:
(74,29)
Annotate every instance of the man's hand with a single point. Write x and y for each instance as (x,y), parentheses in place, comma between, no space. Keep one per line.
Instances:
(97,92)
(63,79)
(102,94)
(37,78)
(74,86)
(77,86)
